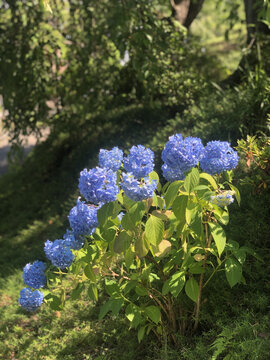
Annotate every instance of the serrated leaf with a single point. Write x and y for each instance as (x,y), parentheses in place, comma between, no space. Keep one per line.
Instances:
(113,305)
(136,212)
(154,230)
(129,258)
(153,312)
(90,273)
(122,242)
(192,289)
(127,223)
(154,176)
(175,284)
(140,290)
(192,180)
(104,213)
(210,179)
(134,316)
(160,214)
(163,248)
(219,237)
(93,292)
(236,193)
(141,246)
(240,256)
(221,215)
(233,271)
(172,192)
(179,207)
(141,333)
(112,288)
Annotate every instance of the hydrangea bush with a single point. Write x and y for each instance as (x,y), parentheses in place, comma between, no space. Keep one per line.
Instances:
(155,248)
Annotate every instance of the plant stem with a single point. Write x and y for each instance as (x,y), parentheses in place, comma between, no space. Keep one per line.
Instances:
(208,242)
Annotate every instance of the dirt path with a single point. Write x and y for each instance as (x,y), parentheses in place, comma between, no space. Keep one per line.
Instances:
(28,143)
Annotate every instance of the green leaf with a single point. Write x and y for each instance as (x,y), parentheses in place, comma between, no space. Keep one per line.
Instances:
(221,215)
(237,193)
(108,235)
(93,292)
(161,202)
(251,252)
(153,312)
(129,258)
(179,207)
(127,223)
(219,237)
(175,284)
(136,212)
(141,246)
(75,294)
(140,290)
(105,212)
(160,214)
(122,242)
(154,230)
(191,210)
(113,305)
(90,273)
(192,180)
(141,333)
(172,192)
(196,268)
(192,289)
(210,179)
(233,271)
(163,248)
(240,256)
(112,288)
(56,304)
(154,176)
(128,203)
(134,315)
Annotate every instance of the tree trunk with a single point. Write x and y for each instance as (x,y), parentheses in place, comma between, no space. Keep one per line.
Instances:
(185,11)
(255,29)
(252,8)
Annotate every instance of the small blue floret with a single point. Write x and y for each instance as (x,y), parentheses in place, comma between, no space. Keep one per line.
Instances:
(180,155)
(218,156)
(138,190)
(33,274)
(139,162)
(83,219)
(98,185)
(110,159)
(30,300)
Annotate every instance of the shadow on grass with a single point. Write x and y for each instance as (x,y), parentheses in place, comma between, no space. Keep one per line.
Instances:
(36,198)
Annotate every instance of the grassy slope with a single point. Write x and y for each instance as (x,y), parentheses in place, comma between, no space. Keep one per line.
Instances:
(34,203)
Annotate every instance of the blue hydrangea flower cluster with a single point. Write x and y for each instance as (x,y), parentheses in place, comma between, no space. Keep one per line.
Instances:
(171,174)
(98,185)
(138,190)
(223,199)
(218,156)
(110,159)
(33,274)
(75,244)
(83,219)
(30,300)
(59,253)
(180,155)
(139,162)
